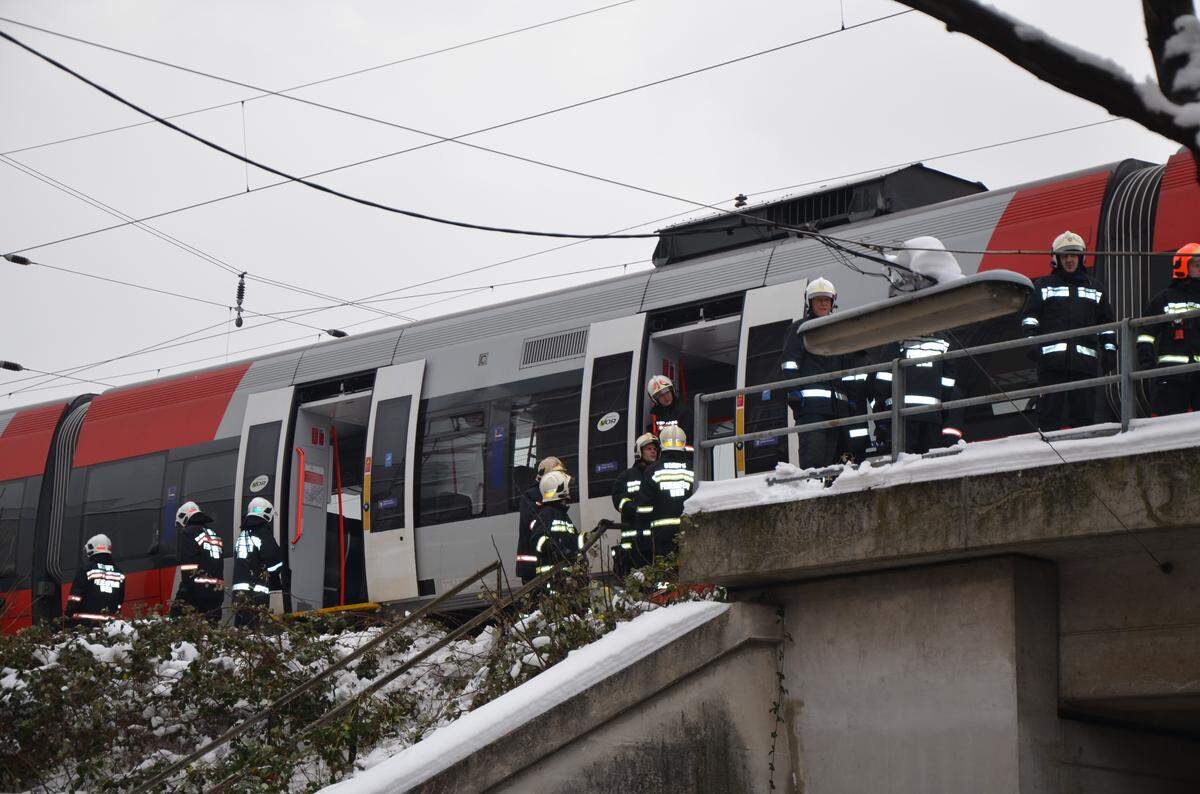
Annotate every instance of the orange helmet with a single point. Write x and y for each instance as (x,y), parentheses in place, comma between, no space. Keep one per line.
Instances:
(1183,258)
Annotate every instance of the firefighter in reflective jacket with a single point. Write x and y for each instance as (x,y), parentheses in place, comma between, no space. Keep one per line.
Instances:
(665,487)
(625,495)
(99,589)
(667,408)
(1174,343)
(926,383)
(1068,298)
(201,567)
(527,506)
(554,536)
(257,564)
(825,400)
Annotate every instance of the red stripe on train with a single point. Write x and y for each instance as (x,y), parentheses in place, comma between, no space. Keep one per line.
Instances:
(1036,215)
(25,442)
(18,611)
(162,415)
(1177,220)
(145,592)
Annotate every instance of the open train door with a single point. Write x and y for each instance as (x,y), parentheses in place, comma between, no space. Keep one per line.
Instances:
(388,508)
(260,461)
(608,423)
(766,315)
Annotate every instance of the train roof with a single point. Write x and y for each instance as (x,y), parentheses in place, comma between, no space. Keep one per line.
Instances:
(756,263)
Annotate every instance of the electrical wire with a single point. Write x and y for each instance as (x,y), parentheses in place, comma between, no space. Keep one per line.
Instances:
(175,341)
(457,138)
(298,87)
(74,192)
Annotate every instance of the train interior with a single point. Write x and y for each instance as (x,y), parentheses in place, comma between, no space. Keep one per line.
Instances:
(697,348)
(326,544)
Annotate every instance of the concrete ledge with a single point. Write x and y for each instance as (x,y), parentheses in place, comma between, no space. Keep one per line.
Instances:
(742,626)
(1051,511)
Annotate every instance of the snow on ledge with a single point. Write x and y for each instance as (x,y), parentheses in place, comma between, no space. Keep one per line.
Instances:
(582,668)
(982,457)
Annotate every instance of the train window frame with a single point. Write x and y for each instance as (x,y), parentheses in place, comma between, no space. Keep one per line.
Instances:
(458,430)
(760,405)
(389,450)
(603,473)
(498,449)
(224,520)
(123,551)
(572,393)
(12,495)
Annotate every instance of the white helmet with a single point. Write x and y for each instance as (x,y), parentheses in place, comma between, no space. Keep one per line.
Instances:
(658,384)
(550,464)
(1068,243)
(98,544)
(819,288)
(189,511)
(643,441)
(260,508)
(555,486)
(672,437)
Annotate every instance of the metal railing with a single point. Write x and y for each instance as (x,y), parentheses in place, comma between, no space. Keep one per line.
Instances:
(1127,376)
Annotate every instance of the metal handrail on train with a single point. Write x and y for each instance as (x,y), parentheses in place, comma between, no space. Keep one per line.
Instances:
(239,729)
(1127,374)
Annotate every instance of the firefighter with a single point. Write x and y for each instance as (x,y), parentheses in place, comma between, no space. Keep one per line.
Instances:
(528,505)
(99,588)
(1068,298)
(665,487)
(1174,343)
(201,567)
(667,408)
(625,496)
(257,564)
(818,402)
(554,536)
(927,383)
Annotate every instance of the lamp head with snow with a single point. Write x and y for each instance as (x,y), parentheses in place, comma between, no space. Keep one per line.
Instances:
(949,300)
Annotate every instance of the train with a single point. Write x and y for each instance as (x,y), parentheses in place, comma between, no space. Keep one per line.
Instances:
(395,458)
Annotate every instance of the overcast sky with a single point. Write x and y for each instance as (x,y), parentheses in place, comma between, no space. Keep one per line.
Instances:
(894,91)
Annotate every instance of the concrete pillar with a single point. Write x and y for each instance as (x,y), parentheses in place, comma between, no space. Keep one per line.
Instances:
(934,679)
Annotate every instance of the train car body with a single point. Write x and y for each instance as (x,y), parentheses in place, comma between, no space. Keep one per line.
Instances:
(430,431)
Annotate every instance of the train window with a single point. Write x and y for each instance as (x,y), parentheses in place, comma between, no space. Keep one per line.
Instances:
(608,422)
(388,457)
(542,424)
(123,500)
(453,450)
(10,525)
(765,410)
(262,461)
(209,482)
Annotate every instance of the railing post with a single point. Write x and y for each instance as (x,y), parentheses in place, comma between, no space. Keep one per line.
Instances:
(700,454)
(1126,362)
(898,435)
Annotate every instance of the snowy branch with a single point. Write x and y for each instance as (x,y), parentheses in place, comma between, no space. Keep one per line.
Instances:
(1174,114)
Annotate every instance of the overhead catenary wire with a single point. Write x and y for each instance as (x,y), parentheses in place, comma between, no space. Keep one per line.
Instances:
(188,248)
(458,138)
(300,86)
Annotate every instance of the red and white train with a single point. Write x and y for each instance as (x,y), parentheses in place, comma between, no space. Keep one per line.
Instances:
(430,430)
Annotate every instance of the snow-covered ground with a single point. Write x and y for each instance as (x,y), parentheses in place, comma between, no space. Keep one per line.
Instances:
(582,668)
(983,457)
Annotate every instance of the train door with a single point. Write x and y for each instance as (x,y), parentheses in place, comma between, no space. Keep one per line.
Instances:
(607,406)
(260,456)
(766,315)
(388,506)
(325,537)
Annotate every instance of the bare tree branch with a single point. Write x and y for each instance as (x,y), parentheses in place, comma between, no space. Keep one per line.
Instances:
(1160,25)
(1077,72)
